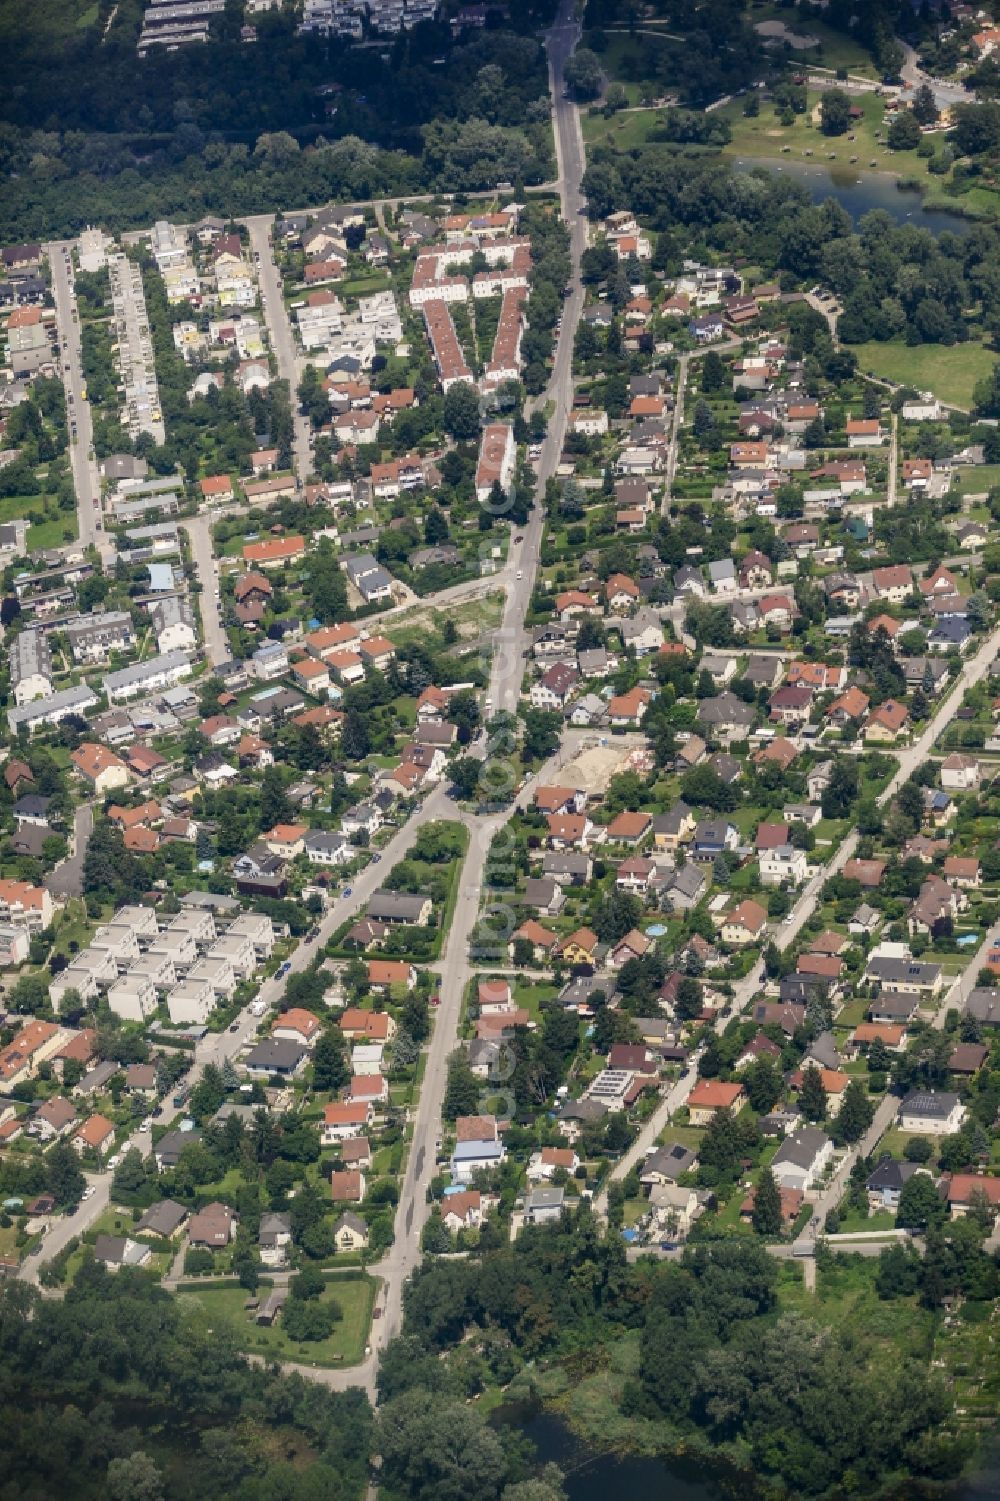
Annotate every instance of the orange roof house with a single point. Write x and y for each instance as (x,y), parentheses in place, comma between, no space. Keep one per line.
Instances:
(274,552)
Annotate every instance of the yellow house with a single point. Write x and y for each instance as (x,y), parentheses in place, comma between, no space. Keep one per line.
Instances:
(579,947)
(350,1233)
(744,924)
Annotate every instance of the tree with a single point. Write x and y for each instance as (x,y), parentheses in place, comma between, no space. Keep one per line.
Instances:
(65,1177)
(462,1092)
(766,1216)
(274,805)
(330,1067)
(904,132)
(584,75)
(812,1096)
(308,1284)
(309,1321)
(763,1084)
(924,106)
(354,738)
(689,1002)
(834,112)
(134,1477)
(464,775)
(713,371)
(461,412)
(920,1204)
(438,1451)
(855,1114)
(918,1149)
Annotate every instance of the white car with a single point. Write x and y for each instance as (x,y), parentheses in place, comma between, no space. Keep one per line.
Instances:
(519,574)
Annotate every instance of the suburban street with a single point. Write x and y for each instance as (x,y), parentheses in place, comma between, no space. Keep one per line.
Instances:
(511,640)
(199,530)
(86,480)
(677,418)
(67,878)
(280,330)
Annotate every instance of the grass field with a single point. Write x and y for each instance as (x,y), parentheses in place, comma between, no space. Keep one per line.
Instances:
(949,371)
(978,481)
(623,131)
(765,136)
(215,1305)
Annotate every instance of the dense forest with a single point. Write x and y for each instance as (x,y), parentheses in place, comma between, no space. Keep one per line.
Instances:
(112,1393)
(811,1410)
(234,129)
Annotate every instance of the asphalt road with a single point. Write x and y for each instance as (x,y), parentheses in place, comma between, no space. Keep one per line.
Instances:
(945,92)
(199,530)
(280,330)
(67,878)
(511,640)
(86,480)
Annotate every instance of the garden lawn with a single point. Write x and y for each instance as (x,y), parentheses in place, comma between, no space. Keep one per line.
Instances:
(215,1305)
(950,371)
(977,481)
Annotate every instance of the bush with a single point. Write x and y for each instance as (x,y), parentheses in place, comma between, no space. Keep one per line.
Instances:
(198,1261)
(918,1149)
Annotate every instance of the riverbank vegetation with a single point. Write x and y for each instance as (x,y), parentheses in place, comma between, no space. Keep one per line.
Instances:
(721,1352)
(113,1393)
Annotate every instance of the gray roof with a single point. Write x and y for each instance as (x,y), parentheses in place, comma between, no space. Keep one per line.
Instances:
(56,705)
(29,656)
(726,709)
(937,1104)
(351,1221)
(169,1147)
(891,1174)
(890,971)
(984,1005)
(689,880)
(276,1056)
(141,672)
(801,1148)
(669,1161)
(671,821)
(162,1218)
(548,1197)
(400,905)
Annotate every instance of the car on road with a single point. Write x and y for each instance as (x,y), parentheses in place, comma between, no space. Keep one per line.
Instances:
(347,891)
(235,1027)
(376,859)
(519,574)
(519,538)
(88,1191)
(147,1124)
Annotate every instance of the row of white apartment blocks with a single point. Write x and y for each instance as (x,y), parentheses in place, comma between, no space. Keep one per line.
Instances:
(436,285)
(324,325)
(348,17)
(177,23)
(192,963)
(141,410)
